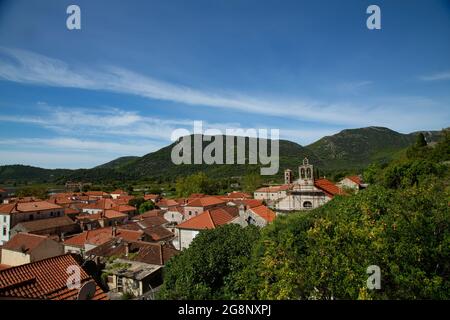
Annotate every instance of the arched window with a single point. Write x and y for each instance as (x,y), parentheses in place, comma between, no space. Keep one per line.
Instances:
(308,173)
(302,173)
(307,204)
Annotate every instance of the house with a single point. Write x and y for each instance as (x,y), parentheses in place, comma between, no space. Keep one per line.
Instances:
(97,195)
(272,193)
(59,226)
(238,195)
(209,219)
(150,213)
(257,215)
(302,194)
(118,193)
(106,218)
(166,203)
(136,267)
(197,205)
(152,197)
(352,182)
(14,213)
(153,227)
(25,248)
(47,280)
(174,215)
(87,240)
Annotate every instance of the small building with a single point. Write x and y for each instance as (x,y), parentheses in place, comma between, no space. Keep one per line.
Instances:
(87,240)
(21,211)
(197,205)
(353,183)
(26,248)
(136,266)
(47,280)
(209,219)
(59,226)
(118,193)
(259,216)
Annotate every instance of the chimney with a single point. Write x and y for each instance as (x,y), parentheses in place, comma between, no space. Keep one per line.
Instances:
(114,231)
(127,249)
(161,254)
(241,210)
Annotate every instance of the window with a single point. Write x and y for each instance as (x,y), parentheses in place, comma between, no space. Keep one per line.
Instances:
(4,231)
(307,204)
(4,219)
(31,217)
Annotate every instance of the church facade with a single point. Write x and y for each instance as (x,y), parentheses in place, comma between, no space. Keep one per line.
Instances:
(303,193)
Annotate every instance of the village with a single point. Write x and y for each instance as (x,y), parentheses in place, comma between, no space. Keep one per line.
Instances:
(122,251)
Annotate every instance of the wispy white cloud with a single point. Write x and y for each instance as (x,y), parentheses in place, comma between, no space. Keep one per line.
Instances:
(27,67)
(52,159)
(137,147)
(439,76)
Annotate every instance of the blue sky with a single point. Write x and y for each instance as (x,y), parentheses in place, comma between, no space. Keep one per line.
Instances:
(137,70)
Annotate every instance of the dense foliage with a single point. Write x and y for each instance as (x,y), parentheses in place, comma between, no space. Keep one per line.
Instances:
(203,270)
(400,223)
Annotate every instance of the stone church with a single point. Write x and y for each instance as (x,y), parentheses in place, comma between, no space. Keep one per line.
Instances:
(303,193)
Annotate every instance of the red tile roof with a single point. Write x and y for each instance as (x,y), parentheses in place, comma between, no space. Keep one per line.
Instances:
(99,236)
(239,195)
(264,213)
(328,187)
(146,252)
(45,224)
(119,191)
(151,196)
(24,242)
(96,193)
(205,202)
(355,179)
(151,213)
(44,279)
(249,203)
(30,206)
(124,208)
(210,219)
(166,203)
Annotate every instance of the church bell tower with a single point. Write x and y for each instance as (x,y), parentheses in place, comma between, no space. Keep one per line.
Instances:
(306,173)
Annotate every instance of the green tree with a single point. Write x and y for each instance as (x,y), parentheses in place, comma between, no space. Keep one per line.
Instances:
(146,206)
(204,270)
(324,254)
(196,183)
(251,182)
(34,191)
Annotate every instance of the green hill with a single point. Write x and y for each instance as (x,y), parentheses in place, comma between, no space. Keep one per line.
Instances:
(158,164)
(350,149)
(118,163)
(357,148)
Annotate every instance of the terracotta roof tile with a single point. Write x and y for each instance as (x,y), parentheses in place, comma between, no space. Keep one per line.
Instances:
(210,219)
(328,187)
(24,242)
(102,235)
(264,213)
(205,202)
(44,279)
(29,206)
